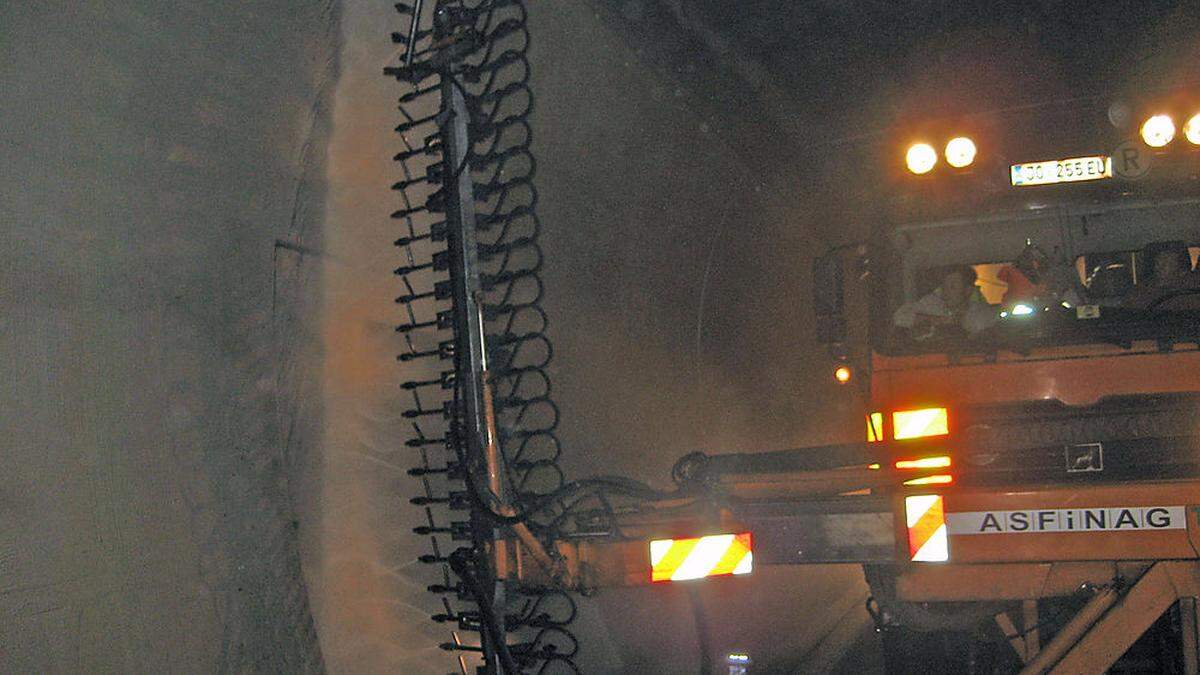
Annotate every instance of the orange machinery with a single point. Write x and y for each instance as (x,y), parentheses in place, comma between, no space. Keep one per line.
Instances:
(1059,456)
(1136,546)
(930,508)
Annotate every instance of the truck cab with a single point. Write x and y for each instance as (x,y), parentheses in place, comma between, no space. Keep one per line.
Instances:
(1080,360)
(1027,350)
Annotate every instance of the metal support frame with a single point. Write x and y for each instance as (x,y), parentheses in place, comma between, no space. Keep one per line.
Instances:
(464,272)
(1112,621)
(1188,636)
(483,460)
(1014,637)
(413,31)
(1029,622)
(466,39)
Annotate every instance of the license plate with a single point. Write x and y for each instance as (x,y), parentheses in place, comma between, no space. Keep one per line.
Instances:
(1054,171)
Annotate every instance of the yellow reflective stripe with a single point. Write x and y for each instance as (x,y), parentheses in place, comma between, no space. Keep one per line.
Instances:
(920,531)
(670,555)
(703,558)
(917,505)
(935,549)
(745,565)
(739,548)
(875,427)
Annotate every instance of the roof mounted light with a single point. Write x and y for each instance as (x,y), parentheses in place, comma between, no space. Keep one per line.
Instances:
(920,158)
(1191,130)
(1158,130)
(960,152)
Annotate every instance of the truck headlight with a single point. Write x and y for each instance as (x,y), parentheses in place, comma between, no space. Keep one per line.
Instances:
(1191,130)
(920,158)
(960,152)
(1158,130)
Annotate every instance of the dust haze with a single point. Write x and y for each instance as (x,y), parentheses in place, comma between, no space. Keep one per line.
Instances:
(203,452)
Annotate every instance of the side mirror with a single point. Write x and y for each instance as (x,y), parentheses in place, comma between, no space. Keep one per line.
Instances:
(828,297)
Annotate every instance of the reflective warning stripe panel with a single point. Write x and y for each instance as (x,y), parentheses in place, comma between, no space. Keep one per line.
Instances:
(699,557)
(875,427)
(919,423)
(925,516)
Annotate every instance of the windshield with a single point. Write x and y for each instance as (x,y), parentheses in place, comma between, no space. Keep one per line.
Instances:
(1043,280)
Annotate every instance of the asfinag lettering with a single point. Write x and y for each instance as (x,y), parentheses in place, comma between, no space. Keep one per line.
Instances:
(1098,519)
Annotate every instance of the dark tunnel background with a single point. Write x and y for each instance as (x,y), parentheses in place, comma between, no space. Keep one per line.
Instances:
(200,444)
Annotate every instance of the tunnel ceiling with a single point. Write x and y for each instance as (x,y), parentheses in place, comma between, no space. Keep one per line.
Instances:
(821,56)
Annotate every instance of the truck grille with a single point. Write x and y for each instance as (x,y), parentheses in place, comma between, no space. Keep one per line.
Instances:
(1141,436)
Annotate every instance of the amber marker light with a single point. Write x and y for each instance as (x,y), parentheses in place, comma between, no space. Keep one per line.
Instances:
(939,479)
(939,462)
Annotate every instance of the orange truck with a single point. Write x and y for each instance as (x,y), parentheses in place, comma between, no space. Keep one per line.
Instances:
(1032,348)
(1024,334)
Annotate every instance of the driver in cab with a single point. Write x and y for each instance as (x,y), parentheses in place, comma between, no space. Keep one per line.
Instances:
(1171,282)
(954,307)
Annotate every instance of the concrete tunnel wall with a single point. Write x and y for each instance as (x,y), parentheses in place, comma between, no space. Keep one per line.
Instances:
(199,404)
(160,387)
